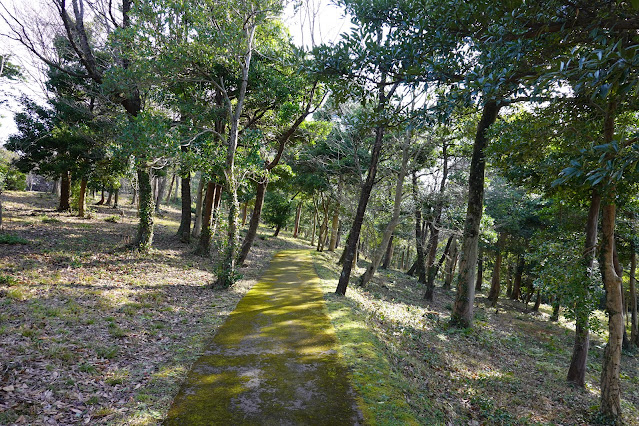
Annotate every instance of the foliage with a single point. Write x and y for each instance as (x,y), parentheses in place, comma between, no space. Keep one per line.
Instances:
(278,209)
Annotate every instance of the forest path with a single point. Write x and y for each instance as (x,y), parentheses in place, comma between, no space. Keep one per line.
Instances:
(274,361)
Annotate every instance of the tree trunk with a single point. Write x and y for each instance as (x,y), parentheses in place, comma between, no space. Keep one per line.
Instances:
(204,244)
(351,243)
(634,331)
(390,227)
(444,255)
(314,222)
(389,253)
(184,231)
(168,195)
(537,301)
(109,198)
(434,234)
(298,215)
(509,280)
(65,192)
(579,358)
(101,202)
(144,237)
(462,315)
(81,196)
(419,268)
(556,306)
(334,225)
(244,213)
(451,263)
(260,190)
(160,193)
(134,196)
(116,198)
(611,368)
(516,294)
(480,271)
(197,226)
(215,214)
(495,287)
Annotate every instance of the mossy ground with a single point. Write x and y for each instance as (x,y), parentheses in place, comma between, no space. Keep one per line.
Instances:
(274,361)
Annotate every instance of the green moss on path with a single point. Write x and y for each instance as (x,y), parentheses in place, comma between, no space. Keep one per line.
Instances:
(274,361)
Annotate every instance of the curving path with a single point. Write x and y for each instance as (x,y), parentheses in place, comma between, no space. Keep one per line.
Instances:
(274,361)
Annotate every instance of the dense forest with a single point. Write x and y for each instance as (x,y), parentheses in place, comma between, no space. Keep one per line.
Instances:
(466,159)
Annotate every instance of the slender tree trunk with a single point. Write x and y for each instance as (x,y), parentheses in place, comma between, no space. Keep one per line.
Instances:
(389,254)
(215,214)
(298,215)
(102,201)
(184,231)
(556,306)
(168,195)
(197,226)
(388,232)
(116,198)
(335,222)
(144,237)
(260,190)
(509,280)
(495,287)
(516,294)
(160,193)
(451,262)
(480,271)
(634,330)
(444,255)
(351,244)
(134,196)
(65,192)
(244,213)
(579,358)
(611,368)
(462,314)
(82,196)
(537,302)
(204,244)
(420,263)
(109,198)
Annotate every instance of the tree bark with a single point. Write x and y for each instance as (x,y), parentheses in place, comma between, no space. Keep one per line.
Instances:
(197,226)
(389,254)
(168,195)
(353,237)
(579,358)
(65,192)
(519,272)
(144,237)
(204,244)
(298,215)
(537,302)
(260,191)
(160,193)
(420,263)
(480,271)
(634,330)
(611,368)
(184,231)
(451,263)
(462,315)
(335,222)
(390,227)
(495,287)
(434,234)
(215,214)
(82,196)
(116,198)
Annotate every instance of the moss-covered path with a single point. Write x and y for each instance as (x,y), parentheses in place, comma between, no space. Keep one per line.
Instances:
(274,361)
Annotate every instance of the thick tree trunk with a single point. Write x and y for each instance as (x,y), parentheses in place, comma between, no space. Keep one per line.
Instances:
(611,368)
(389,254)
(184,231)
(197,226)
(537,302)
(109,198)
(65,192)
(260,190)
(298,215)
(462,315)
(82,196)
(579,358)
(102,200)
(495,287)
(480,271)
(144,237)
(353,238)
(390,227)
(451,263)
(204,244)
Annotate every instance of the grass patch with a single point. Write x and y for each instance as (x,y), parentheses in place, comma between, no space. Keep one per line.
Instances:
(12,239)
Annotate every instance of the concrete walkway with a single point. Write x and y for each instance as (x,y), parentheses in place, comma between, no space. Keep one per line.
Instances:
(274,361)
